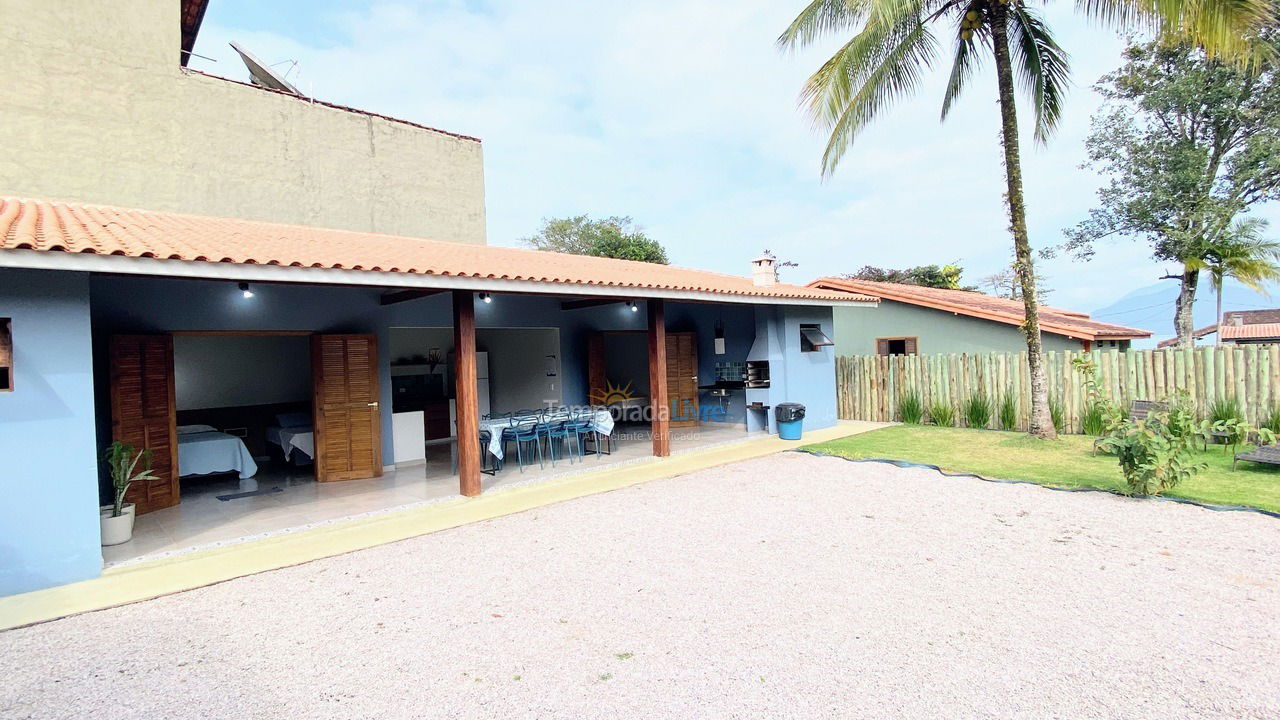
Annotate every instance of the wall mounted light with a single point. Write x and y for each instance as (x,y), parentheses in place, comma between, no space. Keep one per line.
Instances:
(486,298)
(634,307)
(244,289)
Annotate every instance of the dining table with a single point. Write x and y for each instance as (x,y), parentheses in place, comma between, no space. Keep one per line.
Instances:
(599,420)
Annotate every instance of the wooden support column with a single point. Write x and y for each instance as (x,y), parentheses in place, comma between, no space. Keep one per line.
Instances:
(661,421)
(465,395)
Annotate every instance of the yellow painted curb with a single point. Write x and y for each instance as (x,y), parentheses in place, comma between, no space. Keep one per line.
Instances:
(143,581)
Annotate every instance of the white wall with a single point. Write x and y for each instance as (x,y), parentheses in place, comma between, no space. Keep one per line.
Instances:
(233,371)
(518,367)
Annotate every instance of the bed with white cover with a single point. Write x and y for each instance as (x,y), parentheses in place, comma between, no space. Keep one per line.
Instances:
(293,433)
(202,450)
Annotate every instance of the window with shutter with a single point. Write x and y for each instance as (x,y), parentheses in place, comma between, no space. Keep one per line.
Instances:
(897,346)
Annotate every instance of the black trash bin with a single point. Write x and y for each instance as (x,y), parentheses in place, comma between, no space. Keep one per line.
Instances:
(790,418)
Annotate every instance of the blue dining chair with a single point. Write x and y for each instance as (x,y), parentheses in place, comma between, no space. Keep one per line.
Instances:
(581,427)
(524,431)
(558,434)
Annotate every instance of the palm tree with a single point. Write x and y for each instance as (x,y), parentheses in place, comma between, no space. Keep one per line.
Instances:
(1243,255)
(896,41)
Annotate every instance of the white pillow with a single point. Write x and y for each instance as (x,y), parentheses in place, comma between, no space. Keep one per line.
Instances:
(193,429)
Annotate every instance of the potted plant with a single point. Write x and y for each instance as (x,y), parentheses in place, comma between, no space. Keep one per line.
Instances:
(117,518)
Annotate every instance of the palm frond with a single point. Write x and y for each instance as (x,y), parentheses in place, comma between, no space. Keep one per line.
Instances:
(966,59)
(1221,27)
(1245,256)
(1043,68)
(822,17)
(883,62)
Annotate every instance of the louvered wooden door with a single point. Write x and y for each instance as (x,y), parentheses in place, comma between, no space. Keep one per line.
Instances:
(348,428)
(143,413)
(682,378)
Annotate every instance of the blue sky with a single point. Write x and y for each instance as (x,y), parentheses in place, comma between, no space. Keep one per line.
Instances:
(683,115)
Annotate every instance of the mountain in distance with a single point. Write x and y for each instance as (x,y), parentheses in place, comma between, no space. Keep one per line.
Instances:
(1151,308)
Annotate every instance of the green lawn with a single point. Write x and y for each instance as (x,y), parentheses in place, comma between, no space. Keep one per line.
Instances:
(1066,462)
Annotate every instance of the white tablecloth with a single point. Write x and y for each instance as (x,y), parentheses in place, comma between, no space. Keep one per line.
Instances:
(214,452)
(601,421)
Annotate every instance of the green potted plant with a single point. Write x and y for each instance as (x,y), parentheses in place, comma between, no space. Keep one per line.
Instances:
(117,518)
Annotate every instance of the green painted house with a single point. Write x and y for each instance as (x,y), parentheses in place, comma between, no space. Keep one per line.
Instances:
(915,320)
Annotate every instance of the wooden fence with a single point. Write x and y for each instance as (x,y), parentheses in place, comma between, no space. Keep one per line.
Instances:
(868,386)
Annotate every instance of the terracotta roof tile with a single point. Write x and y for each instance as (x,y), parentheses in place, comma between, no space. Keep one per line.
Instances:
(50,226)
(975,304)
(1251,332)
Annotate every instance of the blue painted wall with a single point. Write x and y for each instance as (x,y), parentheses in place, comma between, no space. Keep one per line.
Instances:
(804,377)
(50,479)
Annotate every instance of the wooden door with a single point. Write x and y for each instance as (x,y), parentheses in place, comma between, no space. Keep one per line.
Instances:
(682,378)
(347,420)
(143,413)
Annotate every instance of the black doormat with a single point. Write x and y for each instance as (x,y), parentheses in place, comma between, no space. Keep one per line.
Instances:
(236,496)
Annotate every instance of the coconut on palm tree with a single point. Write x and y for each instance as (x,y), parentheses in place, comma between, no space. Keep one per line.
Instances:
(1243,255)
(895,41)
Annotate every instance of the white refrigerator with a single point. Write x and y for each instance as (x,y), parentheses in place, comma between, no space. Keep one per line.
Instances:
(482,391)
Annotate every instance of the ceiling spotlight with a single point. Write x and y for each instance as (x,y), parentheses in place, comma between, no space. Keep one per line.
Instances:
(632,304)
(244,288)
(486,298)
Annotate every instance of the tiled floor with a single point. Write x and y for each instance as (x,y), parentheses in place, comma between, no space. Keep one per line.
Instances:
(202,520)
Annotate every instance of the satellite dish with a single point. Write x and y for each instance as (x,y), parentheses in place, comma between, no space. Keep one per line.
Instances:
(262,74)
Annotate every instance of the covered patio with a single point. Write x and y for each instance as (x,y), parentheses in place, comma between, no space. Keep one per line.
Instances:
(283,376)
(201,521)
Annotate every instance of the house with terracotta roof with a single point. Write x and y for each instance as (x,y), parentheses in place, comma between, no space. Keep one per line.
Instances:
(1240,327)
(923,320)
(291,306)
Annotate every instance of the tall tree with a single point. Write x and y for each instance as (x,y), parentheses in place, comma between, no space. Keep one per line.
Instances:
(895,41)
(1189,143)
(614,236)
(1244,256)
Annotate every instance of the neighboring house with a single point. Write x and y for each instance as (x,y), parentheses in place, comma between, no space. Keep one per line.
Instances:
(207,269)
(923,320)
(1241,327)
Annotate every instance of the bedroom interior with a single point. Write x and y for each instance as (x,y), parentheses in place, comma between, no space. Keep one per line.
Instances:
(243,409)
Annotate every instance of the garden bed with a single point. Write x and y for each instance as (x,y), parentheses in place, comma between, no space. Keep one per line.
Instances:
(1065,462)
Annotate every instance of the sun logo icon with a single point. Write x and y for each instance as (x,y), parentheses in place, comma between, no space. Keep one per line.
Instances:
(612,394)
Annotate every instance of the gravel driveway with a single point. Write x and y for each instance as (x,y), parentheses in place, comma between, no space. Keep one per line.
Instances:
(790,586)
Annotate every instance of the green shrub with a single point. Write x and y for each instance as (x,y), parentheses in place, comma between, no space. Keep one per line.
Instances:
(1057,414)
(1008,413)
(1101,415)
(1224,409)
(910,408)
(1271,420)
(1183,418)
(1152,458)
(977,410)
(1093,420)
(1235,431)
(942,414)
